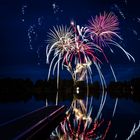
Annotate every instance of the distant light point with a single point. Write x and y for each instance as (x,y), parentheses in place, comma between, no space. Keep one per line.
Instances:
(72,23)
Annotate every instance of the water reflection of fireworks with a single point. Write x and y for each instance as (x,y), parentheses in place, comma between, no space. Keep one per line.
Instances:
(77,48)
(78,125)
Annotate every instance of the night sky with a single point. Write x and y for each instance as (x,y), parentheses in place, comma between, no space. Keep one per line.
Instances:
(23,33)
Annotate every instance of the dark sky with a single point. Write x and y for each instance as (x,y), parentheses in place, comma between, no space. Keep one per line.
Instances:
(20,20)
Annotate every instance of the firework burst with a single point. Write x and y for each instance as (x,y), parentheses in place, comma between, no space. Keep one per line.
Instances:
(103,28)
(60,40)
(69,48)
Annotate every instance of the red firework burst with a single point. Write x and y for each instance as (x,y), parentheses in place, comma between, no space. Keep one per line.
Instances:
(103,28)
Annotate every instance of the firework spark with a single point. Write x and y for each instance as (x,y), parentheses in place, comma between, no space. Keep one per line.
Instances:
(23,11)
(31,34)
(61,43)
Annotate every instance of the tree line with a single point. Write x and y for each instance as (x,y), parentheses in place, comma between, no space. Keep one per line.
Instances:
(24,89)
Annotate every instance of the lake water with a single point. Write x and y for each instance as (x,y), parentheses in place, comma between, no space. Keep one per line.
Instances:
(127,113)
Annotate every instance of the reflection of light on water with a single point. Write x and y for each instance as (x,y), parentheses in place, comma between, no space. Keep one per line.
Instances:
(77,90)
(46,102)
(134,130)
(78,124)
